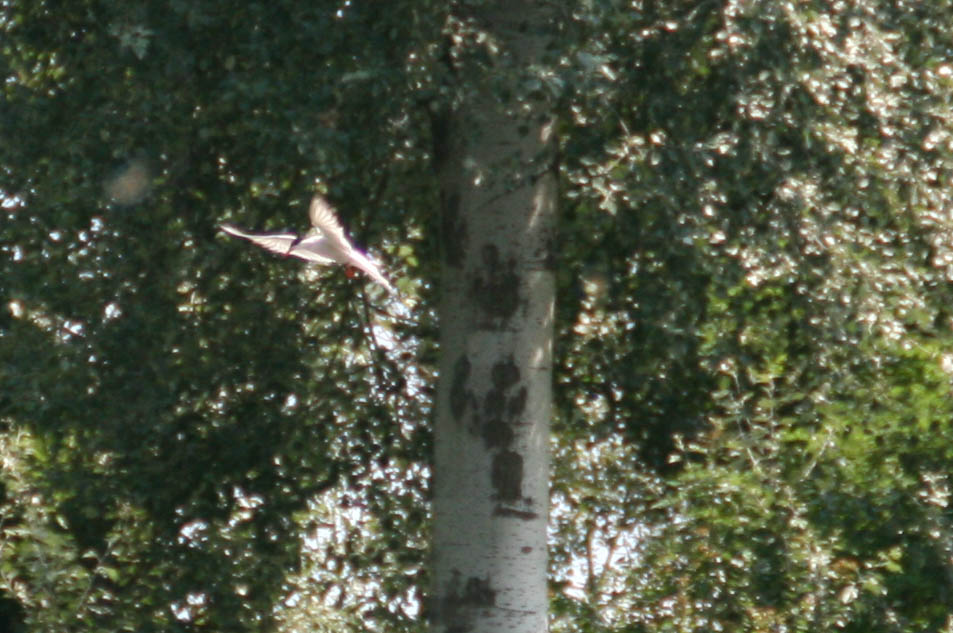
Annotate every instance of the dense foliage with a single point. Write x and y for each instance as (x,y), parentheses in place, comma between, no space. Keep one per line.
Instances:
(753,398)
(762,310)
(176,406)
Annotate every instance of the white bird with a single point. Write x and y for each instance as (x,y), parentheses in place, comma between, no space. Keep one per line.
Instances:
(324,244)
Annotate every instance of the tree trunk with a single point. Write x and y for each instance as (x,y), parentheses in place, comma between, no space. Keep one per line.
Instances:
(495,160)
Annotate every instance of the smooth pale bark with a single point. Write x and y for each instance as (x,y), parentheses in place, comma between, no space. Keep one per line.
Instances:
(491,494)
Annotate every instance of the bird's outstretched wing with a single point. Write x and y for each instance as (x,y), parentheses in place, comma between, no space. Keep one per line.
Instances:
(326,226)
(280,243)
(324,218)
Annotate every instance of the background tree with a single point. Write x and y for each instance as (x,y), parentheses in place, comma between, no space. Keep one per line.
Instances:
(752,370)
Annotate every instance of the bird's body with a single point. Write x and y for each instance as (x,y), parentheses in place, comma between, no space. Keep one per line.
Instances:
(324,244)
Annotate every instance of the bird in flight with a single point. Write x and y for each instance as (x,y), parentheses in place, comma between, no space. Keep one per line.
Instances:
(324,244)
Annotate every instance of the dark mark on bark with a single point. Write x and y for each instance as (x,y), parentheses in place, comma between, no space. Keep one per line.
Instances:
(497,433)
(454,230)
(549,256)
(496,286)
(517,404)
(507,475)
(502,413)
(505,374)
(524,515)
(451,610)
(493,404)
(459,396)
(478,593)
